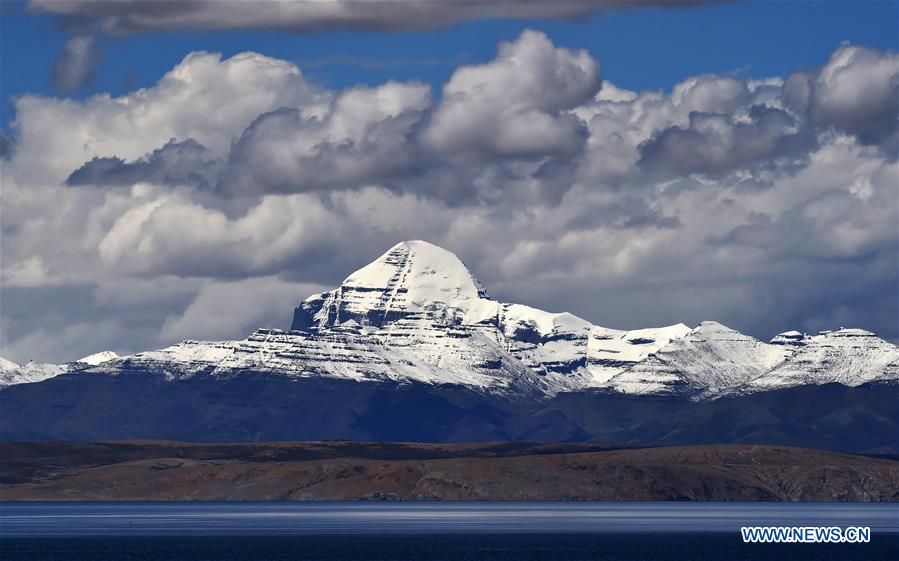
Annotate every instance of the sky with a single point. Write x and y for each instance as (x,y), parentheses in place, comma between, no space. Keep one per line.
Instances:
(195,170)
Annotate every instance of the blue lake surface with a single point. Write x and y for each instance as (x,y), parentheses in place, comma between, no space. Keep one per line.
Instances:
(432,531)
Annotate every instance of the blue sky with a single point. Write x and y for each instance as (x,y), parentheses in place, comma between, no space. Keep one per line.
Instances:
(639,49)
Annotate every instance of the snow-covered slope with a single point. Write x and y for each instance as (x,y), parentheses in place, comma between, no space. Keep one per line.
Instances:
(8,371)
(98,358)
(708,361)
(7,365)
(611,351)
(12,374)
(412,349)
(851,357)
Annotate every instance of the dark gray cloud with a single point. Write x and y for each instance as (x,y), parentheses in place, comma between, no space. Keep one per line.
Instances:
(357,142)
(124,17)
(77,65)
(714,143)
(176,163)
(836,225)
(83,317)
(7,144)
(856,92)
(86,19)
(626,212)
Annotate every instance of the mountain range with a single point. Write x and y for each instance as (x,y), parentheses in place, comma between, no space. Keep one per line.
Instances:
(415,329)
(12,373)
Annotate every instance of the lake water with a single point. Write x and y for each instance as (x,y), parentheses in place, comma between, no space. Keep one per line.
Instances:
(430,531)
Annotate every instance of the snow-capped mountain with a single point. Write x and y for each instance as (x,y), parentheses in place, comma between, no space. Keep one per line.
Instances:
(411,278)
(710,360)
(418,315)
(12,373)
(848,356)
(416,281)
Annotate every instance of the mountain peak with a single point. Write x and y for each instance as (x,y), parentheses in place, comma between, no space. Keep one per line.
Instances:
(419,265)
(98,358)
(789,338)
(713,327)
(411,277)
